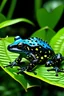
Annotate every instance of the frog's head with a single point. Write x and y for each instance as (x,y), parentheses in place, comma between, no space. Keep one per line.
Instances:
(17,45)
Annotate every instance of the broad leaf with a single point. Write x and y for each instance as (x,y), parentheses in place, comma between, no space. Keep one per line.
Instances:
(51,5)
(45,33)
(2,17)
(9,39)
(57,42)
(48,77)
(14,21)
(41,70)
(5,58)
(45,18)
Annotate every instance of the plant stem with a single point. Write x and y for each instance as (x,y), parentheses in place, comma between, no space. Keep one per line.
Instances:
(11,9)
(2,5)
(38,4)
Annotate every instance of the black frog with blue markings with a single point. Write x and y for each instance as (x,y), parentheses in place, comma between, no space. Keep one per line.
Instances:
(37,52)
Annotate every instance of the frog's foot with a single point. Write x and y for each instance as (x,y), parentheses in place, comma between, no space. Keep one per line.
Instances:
(56,69)
(11,64)
(21,70)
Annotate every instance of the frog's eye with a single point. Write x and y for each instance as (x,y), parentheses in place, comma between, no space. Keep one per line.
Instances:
(20,45)
(17,37)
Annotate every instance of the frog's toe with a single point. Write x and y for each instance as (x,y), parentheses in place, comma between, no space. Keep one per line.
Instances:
(21,70)
(35,73)
(56,69)
(9,65)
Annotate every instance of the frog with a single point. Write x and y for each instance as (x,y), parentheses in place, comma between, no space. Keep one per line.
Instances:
(37,51)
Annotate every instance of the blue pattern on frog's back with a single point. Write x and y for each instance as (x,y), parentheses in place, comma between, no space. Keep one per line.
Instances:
(31,42)
(34,41)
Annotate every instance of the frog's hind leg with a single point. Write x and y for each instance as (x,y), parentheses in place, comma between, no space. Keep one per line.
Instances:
(55,62)
(28,68)
(56,69)
(11,64)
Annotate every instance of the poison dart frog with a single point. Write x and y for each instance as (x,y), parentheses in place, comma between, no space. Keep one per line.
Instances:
(37,52)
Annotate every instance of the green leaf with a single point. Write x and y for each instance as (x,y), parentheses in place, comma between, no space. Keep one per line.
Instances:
(14,21)
(57,42)
(9,39)
(5,58)
(2,31)
(42,72)
(45,18)
(45,33)
(48,77)
(2,17)
(50,5)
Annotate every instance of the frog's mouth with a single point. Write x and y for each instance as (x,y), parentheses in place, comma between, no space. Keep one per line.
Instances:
(14,49)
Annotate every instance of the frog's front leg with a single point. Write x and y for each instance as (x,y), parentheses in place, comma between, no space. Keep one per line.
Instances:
(16,62)
(30,66)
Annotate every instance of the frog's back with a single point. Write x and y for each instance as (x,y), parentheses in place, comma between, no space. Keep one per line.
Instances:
(36,42)
(41,49)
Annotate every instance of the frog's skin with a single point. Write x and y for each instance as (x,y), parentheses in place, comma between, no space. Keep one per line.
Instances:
(37,52)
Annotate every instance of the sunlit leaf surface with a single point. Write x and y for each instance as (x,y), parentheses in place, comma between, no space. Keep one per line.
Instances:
(14,21)
(5,58)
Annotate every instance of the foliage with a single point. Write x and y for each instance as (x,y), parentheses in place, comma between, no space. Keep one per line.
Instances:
(42,73)
(11,8)
(45,18)
(47,21)
(11,22)
(44,33)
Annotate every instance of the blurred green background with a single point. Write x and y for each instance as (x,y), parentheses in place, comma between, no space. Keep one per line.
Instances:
(11,9)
